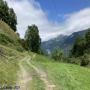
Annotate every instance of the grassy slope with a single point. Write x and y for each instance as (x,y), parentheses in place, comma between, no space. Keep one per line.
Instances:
(9,56)
(36,83)
(4,28)
(65,76)
(9,65)
(8,37)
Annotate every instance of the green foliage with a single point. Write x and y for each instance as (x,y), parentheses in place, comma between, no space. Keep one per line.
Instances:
(79,47)
(64,76)
(85,60)
(87,36)
(74,60)
(41,52)
(5,39)
(8,15)
(24,44)
(36,83)
(81,60)
(32,39)
(57,55)
(9,38)
(12,19)
(81,50)
(82,45)
(9,65)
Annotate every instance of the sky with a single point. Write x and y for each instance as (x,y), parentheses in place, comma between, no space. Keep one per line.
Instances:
(53,17)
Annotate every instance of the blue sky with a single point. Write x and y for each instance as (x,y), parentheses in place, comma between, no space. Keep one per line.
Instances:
(53,17)
(56,9)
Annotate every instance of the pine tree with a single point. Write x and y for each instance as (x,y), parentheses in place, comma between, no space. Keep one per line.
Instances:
(8,15)
(79,47)
(32,38)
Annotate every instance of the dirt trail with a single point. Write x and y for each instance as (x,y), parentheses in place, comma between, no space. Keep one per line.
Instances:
(43,76)
(24,76)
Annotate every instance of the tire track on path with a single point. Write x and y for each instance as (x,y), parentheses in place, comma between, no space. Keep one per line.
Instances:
(42,75)
(24,76)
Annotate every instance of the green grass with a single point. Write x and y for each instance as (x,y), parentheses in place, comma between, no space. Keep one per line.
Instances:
(36,83)
(64,76)
(8,70)
(9,56)
(8,37)
(5,29)
(9,65)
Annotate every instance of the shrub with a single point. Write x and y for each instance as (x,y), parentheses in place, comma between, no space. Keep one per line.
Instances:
(74,60)
(1,52)
(20,49)
(85,60)
(57,55)
(4,39)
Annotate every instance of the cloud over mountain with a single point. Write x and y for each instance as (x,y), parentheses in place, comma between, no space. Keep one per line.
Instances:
(30,12)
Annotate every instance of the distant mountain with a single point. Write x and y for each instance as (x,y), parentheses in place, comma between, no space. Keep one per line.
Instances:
(62,41)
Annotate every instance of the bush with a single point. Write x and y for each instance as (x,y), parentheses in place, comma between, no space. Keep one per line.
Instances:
(85,60)
(4,39)
(57,55)
(1,52)
(79,47)
(74,60)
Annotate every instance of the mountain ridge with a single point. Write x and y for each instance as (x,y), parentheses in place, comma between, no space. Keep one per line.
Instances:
(64,42)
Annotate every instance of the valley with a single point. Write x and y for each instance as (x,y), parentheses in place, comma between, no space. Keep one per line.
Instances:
(36,72)
(44,45)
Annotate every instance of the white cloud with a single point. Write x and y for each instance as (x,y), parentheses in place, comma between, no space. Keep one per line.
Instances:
(29,12)
(78,21)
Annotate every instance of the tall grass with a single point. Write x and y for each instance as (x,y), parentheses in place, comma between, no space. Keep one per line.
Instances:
(64,76)
(9,67)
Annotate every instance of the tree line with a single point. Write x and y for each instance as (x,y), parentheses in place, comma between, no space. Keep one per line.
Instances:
(79,53)
(8,15)
(32,39)
(81,45)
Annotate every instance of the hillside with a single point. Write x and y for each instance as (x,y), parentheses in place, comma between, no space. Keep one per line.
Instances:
(64,76)
(8,37)
(36,72)
(30,71)
(62,41)
(61,63)
(9,59)
(9,55)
